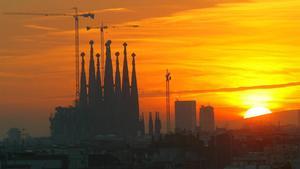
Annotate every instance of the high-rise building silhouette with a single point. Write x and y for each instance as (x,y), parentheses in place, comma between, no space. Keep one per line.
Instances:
(185,115)
(207,118)
(109,109)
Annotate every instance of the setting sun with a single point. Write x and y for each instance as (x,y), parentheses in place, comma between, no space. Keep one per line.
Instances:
(256,111)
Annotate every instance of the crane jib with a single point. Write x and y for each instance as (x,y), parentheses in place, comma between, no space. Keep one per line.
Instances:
(76,16)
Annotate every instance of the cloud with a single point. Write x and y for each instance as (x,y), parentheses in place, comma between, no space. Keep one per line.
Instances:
(112,10)
(222,90)
(39,27)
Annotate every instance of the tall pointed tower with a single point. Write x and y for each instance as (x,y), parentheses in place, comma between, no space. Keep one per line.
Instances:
(125,78)
(157,125)
(81,119)
(134,98)
(118,98)
(118,91)
(98,80)
(83,87)
(109,94)
(108,78)
(98,114)
(150,124)
(92,80)
(127,121)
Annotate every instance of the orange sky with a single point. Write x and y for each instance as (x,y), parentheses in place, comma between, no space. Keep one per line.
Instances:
(232,54)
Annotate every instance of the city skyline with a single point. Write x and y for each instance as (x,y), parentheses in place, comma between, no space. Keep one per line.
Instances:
(233,55)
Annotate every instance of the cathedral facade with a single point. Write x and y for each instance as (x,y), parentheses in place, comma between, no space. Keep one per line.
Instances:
(104,108)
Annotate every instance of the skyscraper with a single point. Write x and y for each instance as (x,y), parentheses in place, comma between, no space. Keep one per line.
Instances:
(207,119)
(185,115)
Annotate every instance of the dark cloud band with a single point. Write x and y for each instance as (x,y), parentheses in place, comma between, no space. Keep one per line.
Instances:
(221,90)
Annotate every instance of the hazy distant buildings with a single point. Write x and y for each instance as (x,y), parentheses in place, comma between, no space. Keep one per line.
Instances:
(14,136)
(185,115)
(207,119)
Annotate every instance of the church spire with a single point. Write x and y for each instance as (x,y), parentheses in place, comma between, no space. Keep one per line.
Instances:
(108,79)
(125,78)
(150,124)
(118,116)
(118,91)
(92,80)
(134,94)
(83,89)
(109,95)
(157,125)
(126,103)
(98,80)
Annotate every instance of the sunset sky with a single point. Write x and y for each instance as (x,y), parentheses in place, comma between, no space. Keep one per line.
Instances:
(231,54)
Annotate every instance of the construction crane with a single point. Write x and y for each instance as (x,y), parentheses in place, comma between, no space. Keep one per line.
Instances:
(76,15)
(101,28)
(168,78)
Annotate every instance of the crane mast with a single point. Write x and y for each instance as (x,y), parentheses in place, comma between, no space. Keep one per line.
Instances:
(76,56)
(76,16)
(168,78)
(102,49)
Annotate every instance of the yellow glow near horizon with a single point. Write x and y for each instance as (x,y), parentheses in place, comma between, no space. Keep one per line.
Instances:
(257,111)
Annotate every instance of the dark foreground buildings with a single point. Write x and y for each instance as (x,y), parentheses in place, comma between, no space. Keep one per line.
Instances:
(109,109)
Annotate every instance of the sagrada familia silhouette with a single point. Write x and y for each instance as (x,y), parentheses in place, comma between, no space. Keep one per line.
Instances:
(108,109)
